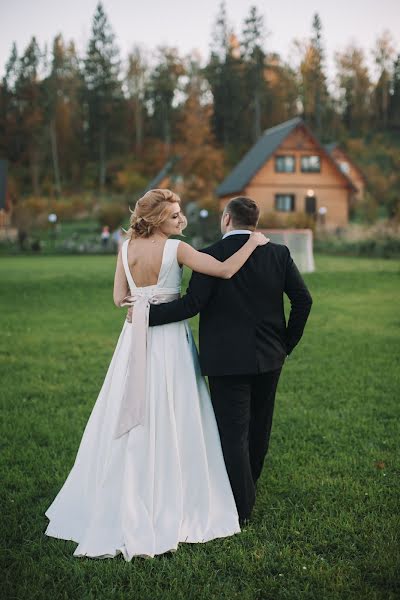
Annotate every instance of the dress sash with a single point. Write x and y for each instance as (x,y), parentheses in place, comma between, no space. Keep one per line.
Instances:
(133,404)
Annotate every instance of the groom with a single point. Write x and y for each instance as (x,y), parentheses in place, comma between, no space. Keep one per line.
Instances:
(244,340)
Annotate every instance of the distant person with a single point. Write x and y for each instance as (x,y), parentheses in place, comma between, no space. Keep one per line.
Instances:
(36,246)
(105,236)
(22,238)
(244,341)
(150,471)
(118,238)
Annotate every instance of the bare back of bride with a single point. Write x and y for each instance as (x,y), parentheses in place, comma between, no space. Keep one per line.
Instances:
(149,472)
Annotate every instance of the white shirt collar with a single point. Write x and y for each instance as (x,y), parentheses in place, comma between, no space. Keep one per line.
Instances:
(237,232)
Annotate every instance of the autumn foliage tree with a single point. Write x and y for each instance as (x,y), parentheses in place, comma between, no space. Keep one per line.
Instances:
(71,122)
(201,163)
(63,112)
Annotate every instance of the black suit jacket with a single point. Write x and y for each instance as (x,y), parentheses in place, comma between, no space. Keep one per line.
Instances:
(242,322)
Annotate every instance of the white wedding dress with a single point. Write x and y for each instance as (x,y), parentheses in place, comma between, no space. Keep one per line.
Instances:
(164,481)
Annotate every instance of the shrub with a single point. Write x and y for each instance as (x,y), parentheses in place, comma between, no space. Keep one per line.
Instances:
(275,220)
(23,217)
(379,248)
(36,210)
(81,205)
(30,212)
(129,181)
(64,209)
(35,205)
(112,215)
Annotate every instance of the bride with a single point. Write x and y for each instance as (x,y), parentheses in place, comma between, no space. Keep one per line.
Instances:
(149,472)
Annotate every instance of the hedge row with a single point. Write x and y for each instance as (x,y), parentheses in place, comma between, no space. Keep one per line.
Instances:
(378,248)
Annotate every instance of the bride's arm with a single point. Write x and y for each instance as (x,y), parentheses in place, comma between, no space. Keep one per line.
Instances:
(121,288)
(208,265)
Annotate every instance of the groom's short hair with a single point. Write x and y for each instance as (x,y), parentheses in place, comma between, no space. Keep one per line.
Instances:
(244,212)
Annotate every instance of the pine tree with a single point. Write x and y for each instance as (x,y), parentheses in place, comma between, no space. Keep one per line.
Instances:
(164,82)
(394,100)
(103,93)
(384,55)
(316,43)
(9,131)
(354,85)
(62,91)
(30,110)
(283,91)
(11,69)
(71,120)
(313,87)
(224,73)
(215,73)
(136,80)
(221,34)
(255,83)
(52,87)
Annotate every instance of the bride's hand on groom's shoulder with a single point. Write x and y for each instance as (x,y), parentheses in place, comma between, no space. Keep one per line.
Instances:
(258,238)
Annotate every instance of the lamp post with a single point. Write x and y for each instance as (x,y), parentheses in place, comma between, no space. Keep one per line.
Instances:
(203,214)
(322,214)
(52,219)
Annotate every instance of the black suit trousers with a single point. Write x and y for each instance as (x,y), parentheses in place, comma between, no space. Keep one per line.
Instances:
(243,407)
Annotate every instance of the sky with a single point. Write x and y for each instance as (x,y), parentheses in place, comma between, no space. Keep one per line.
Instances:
(187,24)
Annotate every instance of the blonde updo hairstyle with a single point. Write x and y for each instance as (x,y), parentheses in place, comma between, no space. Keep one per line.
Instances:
(150,212)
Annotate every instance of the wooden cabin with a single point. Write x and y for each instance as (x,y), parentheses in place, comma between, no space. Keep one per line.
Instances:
(289,171)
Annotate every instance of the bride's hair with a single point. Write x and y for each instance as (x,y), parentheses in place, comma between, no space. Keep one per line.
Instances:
(150,212)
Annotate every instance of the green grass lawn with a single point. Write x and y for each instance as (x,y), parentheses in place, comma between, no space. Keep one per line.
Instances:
(326,521)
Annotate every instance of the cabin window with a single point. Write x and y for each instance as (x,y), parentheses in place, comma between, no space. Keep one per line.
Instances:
(285,164)
(284,202)
(311,164)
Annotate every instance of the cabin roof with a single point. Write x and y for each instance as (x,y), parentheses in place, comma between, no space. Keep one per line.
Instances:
(333,145)
(255,158)
(166,170)
(262,150)
(330,147)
